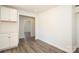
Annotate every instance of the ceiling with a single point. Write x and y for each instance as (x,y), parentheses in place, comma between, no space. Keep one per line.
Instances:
(33,8)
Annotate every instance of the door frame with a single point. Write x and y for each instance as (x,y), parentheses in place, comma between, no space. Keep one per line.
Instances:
(30,17)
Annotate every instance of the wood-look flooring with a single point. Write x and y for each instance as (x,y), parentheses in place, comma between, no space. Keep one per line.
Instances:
(77,50)
(33,46)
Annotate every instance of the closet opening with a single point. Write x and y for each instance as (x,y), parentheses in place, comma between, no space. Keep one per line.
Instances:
(26,27)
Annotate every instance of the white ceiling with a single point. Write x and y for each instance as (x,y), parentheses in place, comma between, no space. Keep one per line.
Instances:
(33,8)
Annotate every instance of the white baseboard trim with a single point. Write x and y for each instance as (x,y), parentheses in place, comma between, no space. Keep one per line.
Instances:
(68,51)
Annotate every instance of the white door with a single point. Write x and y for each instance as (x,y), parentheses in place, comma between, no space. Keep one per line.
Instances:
(4,41)
(14,40)
(5,13)
(8,14)
(13,14)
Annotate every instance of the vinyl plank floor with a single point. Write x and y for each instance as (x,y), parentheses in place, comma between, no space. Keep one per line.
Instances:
(33,46)
(77,50)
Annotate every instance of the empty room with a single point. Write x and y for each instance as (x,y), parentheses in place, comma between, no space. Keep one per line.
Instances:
(39,28)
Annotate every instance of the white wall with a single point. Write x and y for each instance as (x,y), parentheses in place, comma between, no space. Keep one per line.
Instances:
(33,27)
(55,27)
(77,25)
(27,26)
(74,31)
(21,27)
(77,16)
(8,27)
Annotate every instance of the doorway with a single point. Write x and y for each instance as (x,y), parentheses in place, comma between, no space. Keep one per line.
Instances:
(26,27)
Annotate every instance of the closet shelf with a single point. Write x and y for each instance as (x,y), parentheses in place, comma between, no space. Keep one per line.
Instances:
(7,21)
